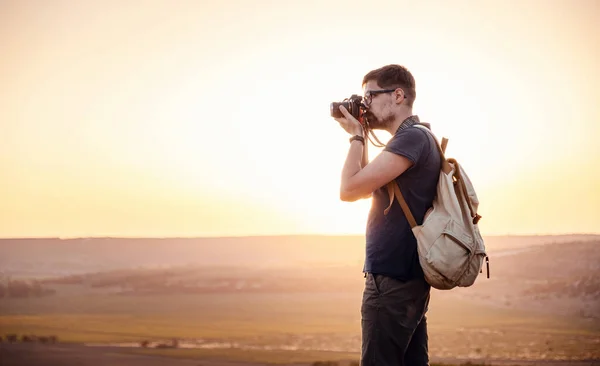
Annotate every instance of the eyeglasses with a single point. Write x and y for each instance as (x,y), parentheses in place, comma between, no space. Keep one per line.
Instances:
(370,93)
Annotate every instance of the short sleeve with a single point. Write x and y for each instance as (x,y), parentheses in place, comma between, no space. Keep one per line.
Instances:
(410,143)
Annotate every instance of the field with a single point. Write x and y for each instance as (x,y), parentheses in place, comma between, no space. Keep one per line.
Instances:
(248,314)
(294,322)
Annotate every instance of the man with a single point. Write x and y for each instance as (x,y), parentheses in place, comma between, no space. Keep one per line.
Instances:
(396,296)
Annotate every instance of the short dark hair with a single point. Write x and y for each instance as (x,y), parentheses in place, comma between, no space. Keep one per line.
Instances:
(394,76)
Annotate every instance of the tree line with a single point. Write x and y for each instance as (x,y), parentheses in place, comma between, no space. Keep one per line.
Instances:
(23,288)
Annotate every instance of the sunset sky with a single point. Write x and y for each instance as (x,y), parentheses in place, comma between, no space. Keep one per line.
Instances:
(211,118)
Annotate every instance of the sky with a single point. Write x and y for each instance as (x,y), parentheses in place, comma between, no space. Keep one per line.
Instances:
(201,118)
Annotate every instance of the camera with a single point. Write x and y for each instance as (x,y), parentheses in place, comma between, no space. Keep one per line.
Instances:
(353,105)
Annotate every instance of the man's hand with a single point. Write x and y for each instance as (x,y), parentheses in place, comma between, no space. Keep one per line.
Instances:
(349,123)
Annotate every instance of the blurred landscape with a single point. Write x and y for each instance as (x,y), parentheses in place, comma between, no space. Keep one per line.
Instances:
(289,299)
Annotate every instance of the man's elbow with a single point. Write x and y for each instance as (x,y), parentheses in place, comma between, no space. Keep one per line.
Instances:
(346,197)
(349,196)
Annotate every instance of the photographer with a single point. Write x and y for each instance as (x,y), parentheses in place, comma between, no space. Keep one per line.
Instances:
(396,296)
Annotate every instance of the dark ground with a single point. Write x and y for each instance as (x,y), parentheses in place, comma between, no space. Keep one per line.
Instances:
(31,354)
(19,354)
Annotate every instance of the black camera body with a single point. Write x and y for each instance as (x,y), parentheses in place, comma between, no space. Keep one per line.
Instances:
(353,105)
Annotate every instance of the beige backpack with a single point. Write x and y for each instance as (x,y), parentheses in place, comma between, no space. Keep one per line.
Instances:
(451,249)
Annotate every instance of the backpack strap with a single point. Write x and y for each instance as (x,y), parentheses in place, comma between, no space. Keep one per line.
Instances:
(463,190)
(441,146)
(394,190)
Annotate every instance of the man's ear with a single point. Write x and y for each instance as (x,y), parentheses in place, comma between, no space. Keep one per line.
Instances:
(399,95)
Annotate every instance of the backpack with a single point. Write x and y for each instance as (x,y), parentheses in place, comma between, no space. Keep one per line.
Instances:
(449,245)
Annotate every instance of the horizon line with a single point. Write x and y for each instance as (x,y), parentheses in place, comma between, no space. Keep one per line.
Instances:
(260,236)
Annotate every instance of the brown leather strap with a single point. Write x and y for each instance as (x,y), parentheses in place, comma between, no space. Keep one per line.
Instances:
(402,202)
(444,144)
(394,190)
(463,190)
(390,189)
(446,168)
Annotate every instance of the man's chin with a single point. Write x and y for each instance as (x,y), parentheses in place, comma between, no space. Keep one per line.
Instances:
(373,122)
(376,125)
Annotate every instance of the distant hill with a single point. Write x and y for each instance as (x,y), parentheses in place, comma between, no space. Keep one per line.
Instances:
(552,275)
(56,257)
(52,256)
(558,277)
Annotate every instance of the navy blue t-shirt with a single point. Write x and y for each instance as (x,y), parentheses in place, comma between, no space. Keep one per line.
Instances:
(391,247)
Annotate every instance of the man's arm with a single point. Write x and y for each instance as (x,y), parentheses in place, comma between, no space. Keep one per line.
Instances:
(365,159)
(365,155)
(355,161)
(360,179)
(358,183)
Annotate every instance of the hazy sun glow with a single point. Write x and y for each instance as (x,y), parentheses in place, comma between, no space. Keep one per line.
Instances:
(195,119)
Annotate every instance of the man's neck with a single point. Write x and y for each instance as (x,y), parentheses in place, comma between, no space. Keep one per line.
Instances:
(400,117)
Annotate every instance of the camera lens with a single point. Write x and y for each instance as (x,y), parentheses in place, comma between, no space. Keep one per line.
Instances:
(334,109)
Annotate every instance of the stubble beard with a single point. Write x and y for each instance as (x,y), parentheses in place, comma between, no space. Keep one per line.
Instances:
(379,124)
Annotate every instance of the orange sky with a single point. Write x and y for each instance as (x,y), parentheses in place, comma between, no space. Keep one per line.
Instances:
(191,118)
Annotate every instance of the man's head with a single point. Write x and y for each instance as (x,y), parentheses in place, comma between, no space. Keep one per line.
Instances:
(389,93)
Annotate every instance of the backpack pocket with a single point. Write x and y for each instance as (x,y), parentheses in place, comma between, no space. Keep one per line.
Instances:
(450,253)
